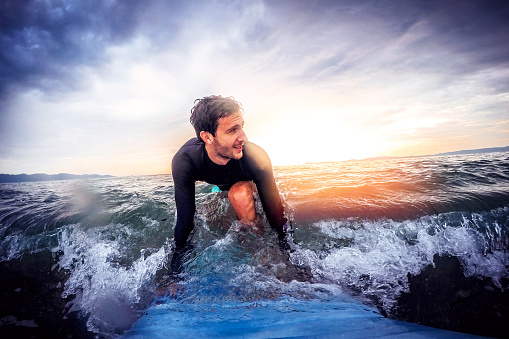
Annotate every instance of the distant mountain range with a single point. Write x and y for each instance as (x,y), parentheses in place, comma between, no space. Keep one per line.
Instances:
(481,150)
(4,178)
(470,151)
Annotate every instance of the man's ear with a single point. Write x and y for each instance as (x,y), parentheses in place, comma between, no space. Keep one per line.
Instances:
(206,137)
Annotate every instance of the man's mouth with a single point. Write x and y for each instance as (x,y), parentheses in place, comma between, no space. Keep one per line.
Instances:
(238,147)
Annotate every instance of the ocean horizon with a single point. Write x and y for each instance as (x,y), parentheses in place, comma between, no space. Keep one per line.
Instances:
(23,177)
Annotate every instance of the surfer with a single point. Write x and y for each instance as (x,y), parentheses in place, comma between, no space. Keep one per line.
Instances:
(221,155)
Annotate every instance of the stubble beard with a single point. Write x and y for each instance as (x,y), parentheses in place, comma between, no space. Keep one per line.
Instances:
(227,153)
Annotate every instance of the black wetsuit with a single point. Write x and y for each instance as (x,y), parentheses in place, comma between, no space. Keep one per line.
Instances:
(191,164)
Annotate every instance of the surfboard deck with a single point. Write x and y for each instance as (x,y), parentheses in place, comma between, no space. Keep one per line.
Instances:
(276,319)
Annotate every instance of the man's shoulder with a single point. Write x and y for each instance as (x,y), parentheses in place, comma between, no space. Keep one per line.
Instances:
(191,146)
(256,155)
(251,147)
(190,154)
(193,142)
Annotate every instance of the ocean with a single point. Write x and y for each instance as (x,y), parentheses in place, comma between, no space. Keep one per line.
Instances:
(421,240)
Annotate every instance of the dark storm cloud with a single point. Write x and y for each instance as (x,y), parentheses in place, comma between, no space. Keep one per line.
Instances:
(41,41)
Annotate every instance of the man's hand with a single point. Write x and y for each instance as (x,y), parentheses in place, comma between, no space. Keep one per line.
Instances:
(170,288)
(174,290)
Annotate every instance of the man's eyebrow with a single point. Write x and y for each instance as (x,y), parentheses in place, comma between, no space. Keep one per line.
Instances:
(240,124)
(233,127)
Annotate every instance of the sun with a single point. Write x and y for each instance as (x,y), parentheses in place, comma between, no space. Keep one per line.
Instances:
(306,137)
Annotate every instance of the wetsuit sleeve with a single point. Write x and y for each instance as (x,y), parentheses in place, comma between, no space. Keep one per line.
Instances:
(184,184)
(267,189)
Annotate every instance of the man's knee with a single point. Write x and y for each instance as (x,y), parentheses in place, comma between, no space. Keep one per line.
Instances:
(242,200)
(241,191)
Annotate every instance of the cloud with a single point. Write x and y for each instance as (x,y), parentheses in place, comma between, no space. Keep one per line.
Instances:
(42,42)
(450,38)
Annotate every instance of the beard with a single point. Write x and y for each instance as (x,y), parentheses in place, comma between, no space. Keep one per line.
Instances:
(228,152)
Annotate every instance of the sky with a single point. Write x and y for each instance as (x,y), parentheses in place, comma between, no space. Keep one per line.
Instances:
(107,86)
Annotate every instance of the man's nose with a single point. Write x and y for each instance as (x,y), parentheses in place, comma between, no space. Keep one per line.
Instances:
(242,135)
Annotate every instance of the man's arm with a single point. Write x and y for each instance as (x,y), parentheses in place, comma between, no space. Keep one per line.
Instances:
(267,189)
(184,198)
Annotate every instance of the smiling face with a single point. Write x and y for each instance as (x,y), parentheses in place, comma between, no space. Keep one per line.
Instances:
(229,140)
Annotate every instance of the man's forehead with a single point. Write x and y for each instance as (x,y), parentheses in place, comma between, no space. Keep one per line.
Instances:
(232,119)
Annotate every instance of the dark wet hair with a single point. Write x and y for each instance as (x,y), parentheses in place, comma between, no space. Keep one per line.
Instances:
(207,111)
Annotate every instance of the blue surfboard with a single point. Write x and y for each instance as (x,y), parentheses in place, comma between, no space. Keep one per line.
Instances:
(281,318)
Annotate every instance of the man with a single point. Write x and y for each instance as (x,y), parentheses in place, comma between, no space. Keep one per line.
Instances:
(221,155)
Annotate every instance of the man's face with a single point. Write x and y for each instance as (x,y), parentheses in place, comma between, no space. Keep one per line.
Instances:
(229,140)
